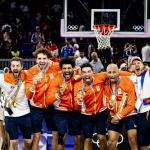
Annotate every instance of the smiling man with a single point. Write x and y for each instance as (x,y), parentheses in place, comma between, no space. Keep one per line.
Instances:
(62,92)
(120,100)
(89,94)
(38,82)
(141,79)
(17,111)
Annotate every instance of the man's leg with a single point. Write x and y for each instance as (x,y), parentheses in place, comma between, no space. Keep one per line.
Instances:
(132,138)
(114,131)
(11,125)
(37,117)
(74,125)
(26,129)
(13,145)
(102,142)
(88,144)
(35,141)
(143,122)
(131,127)
(101,125)
(77,142)
(88,129)
(50,123)
(26,144)
(54,140)
(113,137)
(60,119)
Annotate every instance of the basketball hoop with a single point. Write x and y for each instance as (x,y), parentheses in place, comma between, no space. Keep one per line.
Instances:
(103,33)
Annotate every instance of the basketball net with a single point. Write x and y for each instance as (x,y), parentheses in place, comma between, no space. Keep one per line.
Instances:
(103,33)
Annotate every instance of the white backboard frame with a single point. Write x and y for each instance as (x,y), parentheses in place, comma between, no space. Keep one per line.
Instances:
(93,11)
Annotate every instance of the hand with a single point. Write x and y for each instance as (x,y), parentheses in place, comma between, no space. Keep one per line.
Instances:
(61,90)
(57,95)
(115,120)
(80,98)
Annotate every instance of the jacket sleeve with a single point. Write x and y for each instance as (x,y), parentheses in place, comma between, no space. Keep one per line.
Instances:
(28,84)
(130,104)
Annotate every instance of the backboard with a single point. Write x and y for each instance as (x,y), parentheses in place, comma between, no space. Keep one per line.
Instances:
(129,16)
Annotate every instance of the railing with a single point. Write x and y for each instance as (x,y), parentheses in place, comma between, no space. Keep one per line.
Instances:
(27,63)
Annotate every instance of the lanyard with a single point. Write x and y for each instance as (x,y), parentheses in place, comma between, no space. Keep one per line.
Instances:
(116,90)
(83,85)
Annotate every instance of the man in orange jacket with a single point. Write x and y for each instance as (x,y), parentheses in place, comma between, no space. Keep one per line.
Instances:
(120,100)
(62,94)
(89,94)
(38,82)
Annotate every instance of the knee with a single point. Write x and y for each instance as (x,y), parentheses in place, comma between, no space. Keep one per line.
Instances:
(77,138)
(132,140)
(101,138)
(36,137)
(27,141)
(14,143)
(112,143)
(55,135)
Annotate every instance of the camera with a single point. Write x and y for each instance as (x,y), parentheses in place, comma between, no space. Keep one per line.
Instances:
(10,112)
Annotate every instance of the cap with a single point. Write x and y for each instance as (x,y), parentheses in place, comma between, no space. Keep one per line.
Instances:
(131,59)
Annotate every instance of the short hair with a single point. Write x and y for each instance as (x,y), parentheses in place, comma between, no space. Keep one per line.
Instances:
(112,66)
(43,51)
(86,65)
(67,61)
(17,59)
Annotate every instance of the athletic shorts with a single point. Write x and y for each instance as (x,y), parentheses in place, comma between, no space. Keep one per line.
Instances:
(74,123)
(23,122)
(68,121)
(143,129)
(95,123)
(38,115)
(129,122)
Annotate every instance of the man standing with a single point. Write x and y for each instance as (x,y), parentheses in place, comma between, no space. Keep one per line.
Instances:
(141,79)
(96,63)
(17,112)
(38,82)
(120,100)
(89,94)
(62,93)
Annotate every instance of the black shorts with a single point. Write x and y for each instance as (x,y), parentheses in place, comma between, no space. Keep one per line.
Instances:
(23,122)
(38,115)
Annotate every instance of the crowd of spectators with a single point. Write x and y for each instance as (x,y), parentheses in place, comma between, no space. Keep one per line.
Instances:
(27,25)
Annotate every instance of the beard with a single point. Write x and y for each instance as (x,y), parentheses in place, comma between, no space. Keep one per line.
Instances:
(68,75)
(16,73)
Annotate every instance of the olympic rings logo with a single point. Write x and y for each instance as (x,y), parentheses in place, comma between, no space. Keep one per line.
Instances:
(72,27)
(138,27)
(96,141)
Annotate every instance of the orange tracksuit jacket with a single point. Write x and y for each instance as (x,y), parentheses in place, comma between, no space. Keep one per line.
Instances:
(41,94)
(93,100)
(125,85)
(65,103)
(12,80)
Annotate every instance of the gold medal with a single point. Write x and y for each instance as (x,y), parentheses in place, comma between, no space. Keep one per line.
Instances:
(112,100)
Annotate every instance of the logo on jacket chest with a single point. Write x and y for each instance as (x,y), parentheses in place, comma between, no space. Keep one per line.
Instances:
(98,88)
(119,91)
